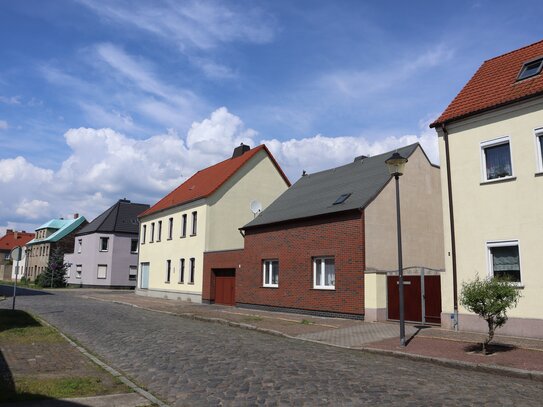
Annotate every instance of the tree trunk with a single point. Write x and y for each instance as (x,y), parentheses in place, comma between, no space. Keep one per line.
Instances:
(491,329)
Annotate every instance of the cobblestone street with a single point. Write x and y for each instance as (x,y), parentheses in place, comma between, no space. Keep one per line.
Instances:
(191,363)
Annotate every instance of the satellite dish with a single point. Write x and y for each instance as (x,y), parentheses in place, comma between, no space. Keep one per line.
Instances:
(256,207)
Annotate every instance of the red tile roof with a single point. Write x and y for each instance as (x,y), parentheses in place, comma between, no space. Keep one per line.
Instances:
(207,181)
(13,239)
(495,84)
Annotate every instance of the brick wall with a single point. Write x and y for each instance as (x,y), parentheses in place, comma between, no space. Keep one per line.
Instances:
(220,260)
(295,244)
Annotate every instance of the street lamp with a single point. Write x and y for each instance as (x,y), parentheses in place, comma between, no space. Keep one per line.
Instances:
(396,164)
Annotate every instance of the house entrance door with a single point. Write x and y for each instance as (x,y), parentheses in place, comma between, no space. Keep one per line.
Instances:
(225,286)
(144,282)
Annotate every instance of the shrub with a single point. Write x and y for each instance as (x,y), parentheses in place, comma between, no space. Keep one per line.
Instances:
(55,273)
(490,299)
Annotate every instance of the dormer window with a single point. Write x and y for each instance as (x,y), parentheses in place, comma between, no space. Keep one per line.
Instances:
(530,69)
(342,198)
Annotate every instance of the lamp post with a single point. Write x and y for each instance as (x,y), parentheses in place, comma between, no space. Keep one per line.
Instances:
(396,164)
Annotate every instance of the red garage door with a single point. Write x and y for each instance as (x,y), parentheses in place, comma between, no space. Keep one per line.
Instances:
(225,287)
(413,300)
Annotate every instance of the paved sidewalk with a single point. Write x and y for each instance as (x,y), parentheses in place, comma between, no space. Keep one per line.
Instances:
(522,357)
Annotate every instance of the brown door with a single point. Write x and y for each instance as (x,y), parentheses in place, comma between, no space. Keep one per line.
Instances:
(225,287)
(413,299)
(432,299)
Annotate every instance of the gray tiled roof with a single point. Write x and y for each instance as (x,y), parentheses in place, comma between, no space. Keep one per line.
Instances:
(120,218)
(315,194)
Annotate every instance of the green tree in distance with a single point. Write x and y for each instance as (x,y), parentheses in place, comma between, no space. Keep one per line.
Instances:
(54,275)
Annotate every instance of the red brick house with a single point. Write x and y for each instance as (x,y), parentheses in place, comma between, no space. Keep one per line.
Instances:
(328,244)
(8,242)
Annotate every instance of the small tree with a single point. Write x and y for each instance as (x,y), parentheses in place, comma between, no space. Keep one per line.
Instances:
(490,299)
(55,273)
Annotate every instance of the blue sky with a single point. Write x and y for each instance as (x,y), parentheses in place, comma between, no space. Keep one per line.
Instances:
(105,99)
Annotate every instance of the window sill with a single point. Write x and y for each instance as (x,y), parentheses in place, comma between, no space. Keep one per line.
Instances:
(538,174)
(166,282)
(324,288)
(133,252)
(180,282)
(184,236)
(169,238)
(103,251)
(498,180)
(190,283)
(192,235)
(270,286)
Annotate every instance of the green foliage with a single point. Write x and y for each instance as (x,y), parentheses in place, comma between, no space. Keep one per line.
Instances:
(54,276)
(490,299)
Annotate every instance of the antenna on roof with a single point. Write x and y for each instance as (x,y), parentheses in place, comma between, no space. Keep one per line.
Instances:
(256,207)
(304,173)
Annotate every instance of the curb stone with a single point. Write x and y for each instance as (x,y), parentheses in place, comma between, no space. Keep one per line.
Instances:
(456,364)
(108,368)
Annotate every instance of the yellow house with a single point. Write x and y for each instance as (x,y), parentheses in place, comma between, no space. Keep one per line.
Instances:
(203,215)
(491,145)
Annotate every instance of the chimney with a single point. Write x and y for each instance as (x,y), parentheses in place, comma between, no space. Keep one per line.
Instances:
(9,231)
(360,158)
(76,215)
(16,235)
(239,151)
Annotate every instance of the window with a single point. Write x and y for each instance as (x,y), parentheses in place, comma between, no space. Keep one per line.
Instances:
(504,260)
(530,68)
(324,273)
(182,271)
(168,270)
(79,244)
(152,239)
(342,198)
(159,234)
(102,271)
(104,242)
(133,245)
(194,223)
(192,266)
(184,225)
(170,228)
(496,158)
(270,271)
(539,149)
(143,234)
(78,270)
(132,273)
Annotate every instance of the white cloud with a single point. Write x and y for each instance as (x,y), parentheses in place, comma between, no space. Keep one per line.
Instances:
(33,209)
(213,69)
(320,152)
(10,100)
(3,125)
(105,165)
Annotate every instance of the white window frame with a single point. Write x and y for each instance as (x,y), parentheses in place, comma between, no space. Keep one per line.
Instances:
(134,275)
(78,270)
(492,143)
(194,229)
(269,263)
(538,151)
(104,267)
(192,270)
(184,221)
(159,231)
(170,228)
(152,238)
(321,285)
(502,243)
(143,233)
(182,264)
(102,238)
(79,245)
(168,274)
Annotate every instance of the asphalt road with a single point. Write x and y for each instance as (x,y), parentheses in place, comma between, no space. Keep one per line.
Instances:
(194,363)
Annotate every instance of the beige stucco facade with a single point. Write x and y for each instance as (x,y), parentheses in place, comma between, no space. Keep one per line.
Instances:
(218,218)
(422,231)
(494,211)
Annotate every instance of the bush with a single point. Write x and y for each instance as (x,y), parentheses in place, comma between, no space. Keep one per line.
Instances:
(490,299)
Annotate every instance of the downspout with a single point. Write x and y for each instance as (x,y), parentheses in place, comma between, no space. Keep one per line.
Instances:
(454,317)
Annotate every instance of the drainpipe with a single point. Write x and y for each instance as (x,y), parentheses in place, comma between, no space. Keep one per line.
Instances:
(454,317)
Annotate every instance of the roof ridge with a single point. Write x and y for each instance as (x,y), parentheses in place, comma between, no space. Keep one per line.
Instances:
(513,51)
(118,210)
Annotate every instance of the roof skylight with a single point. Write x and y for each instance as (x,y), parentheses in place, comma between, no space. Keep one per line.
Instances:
(342,198)
(530,69)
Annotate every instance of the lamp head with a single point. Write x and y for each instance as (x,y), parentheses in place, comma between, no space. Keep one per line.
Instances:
(396,164)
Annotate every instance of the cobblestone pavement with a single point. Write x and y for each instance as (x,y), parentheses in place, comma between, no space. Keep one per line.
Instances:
(193,363)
